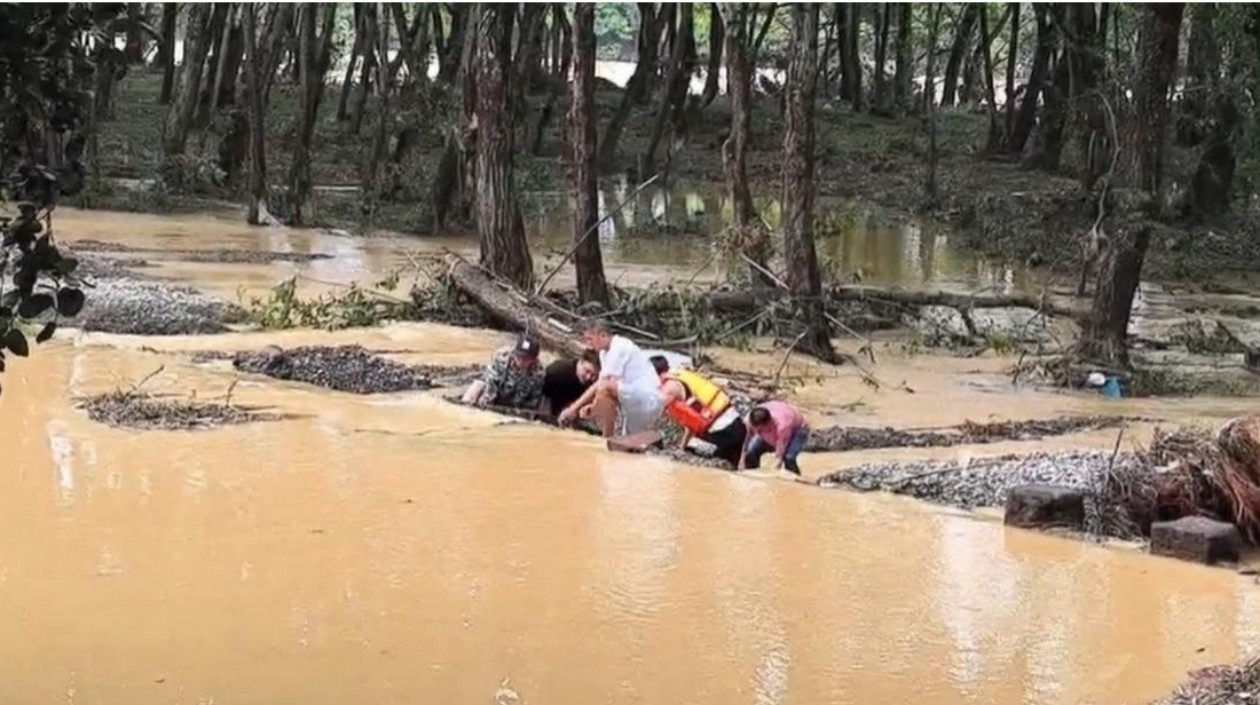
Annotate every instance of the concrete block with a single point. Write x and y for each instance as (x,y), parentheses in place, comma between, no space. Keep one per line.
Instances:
(1197,539)
(1045,506)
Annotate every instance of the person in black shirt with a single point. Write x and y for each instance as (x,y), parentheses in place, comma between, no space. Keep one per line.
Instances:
(567,380)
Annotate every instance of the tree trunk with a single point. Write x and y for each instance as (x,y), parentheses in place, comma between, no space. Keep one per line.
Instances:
(674,101)
(957,52)
(504,249)
(166,51)
(584,126)
(803,276)
(180,115)
(356,49)
(750,237)
(929,80)
(637,86)
(1048,139)
(1026,119)
(214,87)
(1203,64)
(370,59)
(232,68)
(254,68)
(220,17)
(840,27)
(1104,336)
(566,42)
(879,101)
(1012,56)
(995,132)
(904,70)
(851,45)
(1086,64)
(930,106)
(313,56)
(386,80)
(449,62)
(717,33)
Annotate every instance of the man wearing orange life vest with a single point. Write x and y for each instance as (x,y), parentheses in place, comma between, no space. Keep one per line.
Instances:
(704,410)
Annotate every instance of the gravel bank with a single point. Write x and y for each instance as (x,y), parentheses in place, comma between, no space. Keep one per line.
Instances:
(210,256)
(142,411)
(982,482)
(839,438)
(131,307)
(345,368)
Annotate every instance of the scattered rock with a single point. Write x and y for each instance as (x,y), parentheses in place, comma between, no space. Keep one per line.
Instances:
(1197,539)
(1044,507)
(142,411)
(345,368)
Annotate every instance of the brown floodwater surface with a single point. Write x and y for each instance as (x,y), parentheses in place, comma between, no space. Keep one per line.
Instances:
(396,549)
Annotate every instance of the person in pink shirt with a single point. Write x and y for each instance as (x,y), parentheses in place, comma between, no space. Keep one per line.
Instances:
(779,426)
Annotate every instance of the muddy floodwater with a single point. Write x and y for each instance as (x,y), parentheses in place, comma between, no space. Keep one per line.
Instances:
(397,549)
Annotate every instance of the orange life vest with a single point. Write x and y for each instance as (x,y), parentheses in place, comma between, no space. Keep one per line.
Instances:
(706,403)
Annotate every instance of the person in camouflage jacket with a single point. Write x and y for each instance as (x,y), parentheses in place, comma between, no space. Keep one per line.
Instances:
(513,378)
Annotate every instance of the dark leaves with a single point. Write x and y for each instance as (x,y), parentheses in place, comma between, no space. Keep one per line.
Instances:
(46,333)
(70,302)
(15,341)
(34,305)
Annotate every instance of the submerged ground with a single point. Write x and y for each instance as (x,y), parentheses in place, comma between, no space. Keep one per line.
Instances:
(387,545)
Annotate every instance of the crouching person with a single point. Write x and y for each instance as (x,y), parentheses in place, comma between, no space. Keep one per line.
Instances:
(704,410)
(512,379)
(777,426)
(625,398)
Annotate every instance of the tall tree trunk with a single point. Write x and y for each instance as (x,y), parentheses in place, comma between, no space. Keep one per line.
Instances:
(210,101)
(717,33)
(254,68)
(1048,139)
(674,101)
(1086,55)
(803,276)
(750,238)
(1104,336)
(450,59)
(166,51)
(904,69)
(851,45)
(957,52)
(1203,64)
(566,42)
(386,81)
(883,15)
(180,115)
(1012,56)
(840,27)
(929,105)
(232,67)
(995,132)
(358,110)
(638,85)
(1026,119)
(220,17)
(584,126)
(929,80)
(313,56)
(352,62)
(504,249)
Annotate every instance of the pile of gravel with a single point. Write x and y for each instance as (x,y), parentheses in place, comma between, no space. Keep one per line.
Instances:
(127,306)
(142,411)
(211,256)
(981,482)
(344,368)
(839,438)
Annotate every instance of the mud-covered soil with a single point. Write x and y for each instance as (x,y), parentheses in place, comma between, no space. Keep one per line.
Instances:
(139,410)
(344,368)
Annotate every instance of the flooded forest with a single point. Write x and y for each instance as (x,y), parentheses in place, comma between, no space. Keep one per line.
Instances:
(265,268)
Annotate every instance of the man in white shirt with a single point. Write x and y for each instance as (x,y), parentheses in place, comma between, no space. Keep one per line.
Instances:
(627,383)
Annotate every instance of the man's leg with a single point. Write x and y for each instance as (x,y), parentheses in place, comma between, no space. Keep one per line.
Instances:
(795,446)
(756,449)
(604,411)
(641,409)
(474,392)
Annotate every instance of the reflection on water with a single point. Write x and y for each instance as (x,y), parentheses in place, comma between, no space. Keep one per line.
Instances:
(306,560)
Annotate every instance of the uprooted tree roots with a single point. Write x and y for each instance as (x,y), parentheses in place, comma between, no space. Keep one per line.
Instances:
(139,410)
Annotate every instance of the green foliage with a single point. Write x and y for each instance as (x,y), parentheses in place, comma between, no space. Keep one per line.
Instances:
(352,308)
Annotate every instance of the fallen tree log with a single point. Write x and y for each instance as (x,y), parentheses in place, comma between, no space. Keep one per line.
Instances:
(511,308)
(759,298)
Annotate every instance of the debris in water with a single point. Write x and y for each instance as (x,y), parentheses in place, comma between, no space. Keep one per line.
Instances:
(134,409)
(1219,685)
(346,368)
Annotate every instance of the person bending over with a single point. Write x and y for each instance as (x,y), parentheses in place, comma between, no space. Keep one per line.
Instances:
(567,380)
(779,426)
(513,378)
(704,410)
(627,386)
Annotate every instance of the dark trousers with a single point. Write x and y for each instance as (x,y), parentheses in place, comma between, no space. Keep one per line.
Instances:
(758,448)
